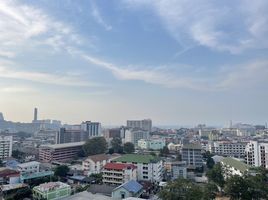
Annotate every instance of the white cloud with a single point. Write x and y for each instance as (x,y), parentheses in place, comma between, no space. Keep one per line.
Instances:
(15,89)
(23,26)
(232,26)
(98,17)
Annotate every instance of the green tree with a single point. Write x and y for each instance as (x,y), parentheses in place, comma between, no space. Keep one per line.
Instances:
(23,193)
(61,171)
(210,162)
(210,191)
(216,175)
(164,151)
(117,145)
(181,189)
(17,154)
(129,147)
(237,188)
(95,146)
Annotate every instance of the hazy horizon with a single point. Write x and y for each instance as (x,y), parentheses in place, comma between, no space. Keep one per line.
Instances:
(175,62)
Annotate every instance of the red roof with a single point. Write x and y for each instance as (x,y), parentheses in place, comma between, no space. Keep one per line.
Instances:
(118,166)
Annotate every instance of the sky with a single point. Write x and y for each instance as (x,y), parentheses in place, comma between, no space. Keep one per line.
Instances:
(177,62)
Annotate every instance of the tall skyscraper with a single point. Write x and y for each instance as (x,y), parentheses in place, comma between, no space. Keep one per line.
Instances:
(35,114)
(1,117)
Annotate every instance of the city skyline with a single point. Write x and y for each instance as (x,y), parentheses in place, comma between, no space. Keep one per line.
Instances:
(175,62)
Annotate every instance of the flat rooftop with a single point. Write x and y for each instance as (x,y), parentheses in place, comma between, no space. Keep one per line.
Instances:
(64,145)
(28,164)
(45,187)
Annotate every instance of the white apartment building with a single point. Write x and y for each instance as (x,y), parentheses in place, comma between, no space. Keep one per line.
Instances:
(145,124)
(118,173)
(191,154)
(149,168)
(5,146)
(29,167)
(134,135)
(228,148)
(153,143)
(94,164)
(256,154)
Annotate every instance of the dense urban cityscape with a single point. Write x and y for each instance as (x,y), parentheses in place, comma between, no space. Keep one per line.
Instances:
(133,99)
(45,159)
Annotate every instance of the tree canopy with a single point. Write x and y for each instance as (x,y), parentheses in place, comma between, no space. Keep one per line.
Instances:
(129,147)
(216,175)
(61,170)
(116,144)
(95,146)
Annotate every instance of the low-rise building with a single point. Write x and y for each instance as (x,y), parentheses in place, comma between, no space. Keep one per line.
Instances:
(9,176)
(59,152)
(94,164)
(129,189)
(154,144)
(51,191)
(233,167)
(118,173)
(29,167)
(191,154)
(149,168)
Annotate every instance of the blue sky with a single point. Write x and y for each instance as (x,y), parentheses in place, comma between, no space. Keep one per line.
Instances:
(175,61)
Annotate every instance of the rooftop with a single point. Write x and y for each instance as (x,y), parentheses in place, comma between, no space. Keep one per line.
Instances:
(191,146)
(86,196)
(137,158)
(99,157)
(65,145)
(8,172)
(235,163)
(45,187)
(118,166)
(131,186)
(28,164)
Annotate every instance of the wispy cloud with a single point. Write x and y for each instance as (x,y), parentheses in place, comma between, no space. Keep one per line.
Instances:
(232,26)
(98,17)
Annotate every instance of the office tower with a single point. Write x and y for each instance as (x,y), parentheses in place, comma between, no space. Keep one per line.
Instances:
(92,128)
(73,134)
(1,117)
(145,124)
(191,154)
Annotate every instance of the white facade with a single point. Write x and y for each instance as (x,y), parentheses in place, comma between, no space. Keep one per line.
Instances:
(256,154)
(155,144)
(93,128)
(134,135)
(29,167)
(5,146)
(94,164)
(228,148)
(191,154)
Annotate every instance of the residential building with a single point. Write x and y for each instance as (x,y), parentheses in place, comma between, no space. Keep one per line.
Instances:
(29,167)
(149,168)
(118,173)
(94,164)
(134,135)
(191,154)
(59,152)
(228,148)
(145,124)
(233,167)
(9,176)
(178,170)
(129,189)
(51,191)
(256,154)
(153,143)
(5,146)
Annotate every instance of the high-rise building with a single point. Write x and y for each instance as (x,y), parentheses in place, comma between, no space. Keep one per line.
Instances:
(92,128)
(134,135)
(70,135)
(1,117)
(145,124)
(35,115)
(5,146)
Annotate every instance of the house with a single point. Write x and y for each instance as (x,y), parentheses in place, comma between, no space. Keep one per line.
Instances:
(118,173)
(28,167)
(149,168)
(9,176)
(129,189)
